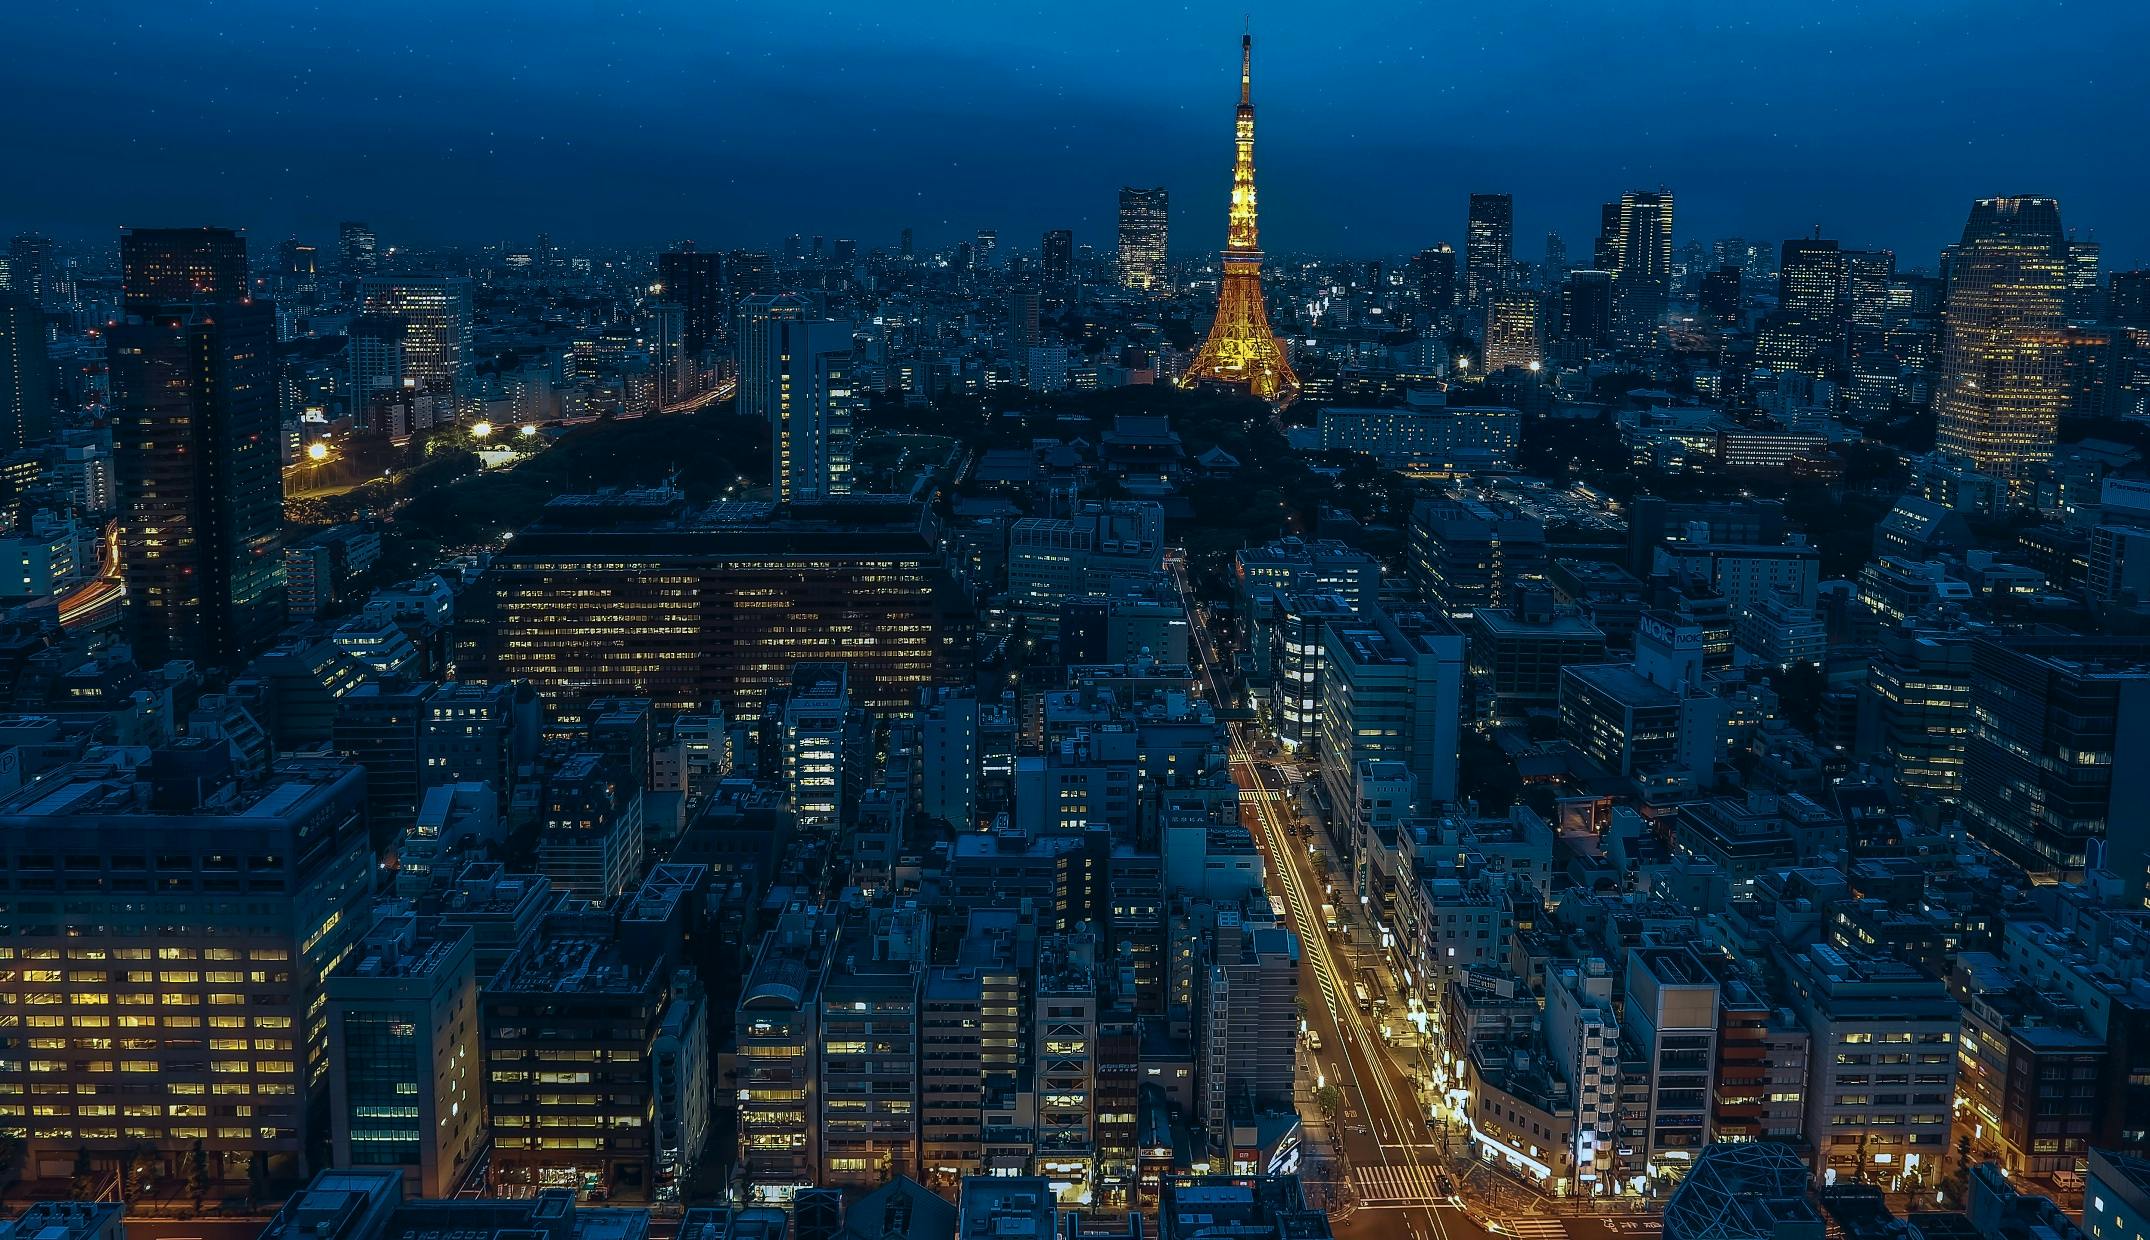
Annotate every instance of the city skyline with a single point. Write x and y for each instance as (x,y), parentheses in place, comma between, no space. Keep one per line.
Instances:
(1036,123)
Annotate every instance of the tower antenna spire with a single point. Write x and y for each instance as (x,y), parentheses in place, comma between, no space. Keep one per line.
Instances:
(1246,67)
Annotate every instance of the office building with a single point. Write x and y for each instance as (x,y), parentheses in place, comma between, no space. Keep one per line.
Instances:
(1425,439)
(1294,565)
(694,280)
(1144,226)
(1670,1021)
(2053,774)
(1433,273)
(200,484)
(1883,1061)
(1916,710)
(1467,553)
(1512,332)
(868,1095)
(590,838)
(1720,297)
(818,764)
(404,1087)
(1488,246)
(1586,308)
(437,350)
(31,269)
(575,1025)
(1637,244)
(1053,559)
(25,374)
(1056,256)
(671,363)
(1391,690)
(186,966)
(360,248)
(2116,1197)
(1517,652)
(778,1050)
(795,373)
(589,602)
(1250,1026)
(2002,385)
(170,267)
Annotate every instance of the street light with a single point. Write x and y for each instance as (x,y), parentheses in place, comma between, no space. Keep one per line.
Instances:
(317,451)
(481,430)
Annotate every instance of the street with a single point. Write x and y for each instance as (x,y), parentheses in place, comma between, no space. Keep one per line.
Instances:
(1398,1171)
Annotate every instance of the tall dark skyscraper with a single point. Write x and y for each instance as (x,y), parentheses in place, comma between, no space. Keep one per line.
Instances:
(25,374)
(694,280)
(1488,246)
(1434,271)
(2130,299)
(1144,224)
(361,249)
(1720,295)
(1638,243)
(176,266)
(2003,351)
(32,267)
(1586,307)
(195,448)
(1056,256)
(1807,331)
(795,371)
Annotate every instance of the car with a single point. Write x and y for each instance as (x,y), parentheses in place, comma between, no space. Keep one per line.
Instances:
(1313,1040)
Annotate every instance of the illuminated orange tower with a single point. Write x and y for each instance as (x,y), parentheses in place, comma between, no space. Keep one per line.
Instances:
(1241,350)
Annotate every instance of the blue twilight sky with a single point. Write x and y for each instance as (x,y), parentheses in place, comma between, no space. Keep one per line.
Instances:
(735,122)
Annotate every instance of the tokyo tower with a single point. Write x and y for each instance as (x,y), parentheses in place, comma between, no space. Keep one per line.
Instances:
(1241,350)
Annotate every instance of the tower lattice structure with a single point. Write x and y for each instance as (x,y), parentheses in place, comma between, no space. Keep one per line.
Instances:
(1241,350)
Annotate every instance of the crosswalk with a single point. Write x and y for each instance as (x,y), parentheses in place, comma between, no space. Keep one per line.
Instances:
(1531,1228)
(1397,1184)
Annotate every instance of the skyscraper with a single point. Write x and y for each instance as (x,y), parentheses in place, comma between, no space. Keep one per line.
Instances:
(2003,348)
(25,374)
(1241,351)
(670,361)
(796,372)
(195,445)
(1806,333)
(177,266)
(1056,256)
(1488,246)
(1586,307)
(1638,246)
(436,332)
(32,267)
(1434,270)
(361,249)
(1512,331)
(1144,223)
(2083,260)
(694,280)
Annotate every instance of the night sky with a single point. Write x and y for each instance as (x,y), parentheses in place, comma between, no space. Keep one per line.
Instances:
(735,122)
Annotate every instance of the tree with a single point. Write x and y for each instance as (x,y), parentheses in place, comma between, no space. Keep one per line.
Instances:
(198,1173)
(257,1176)
(11,1148)
(1858,1164)
(1330,1099)
(84,1183)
